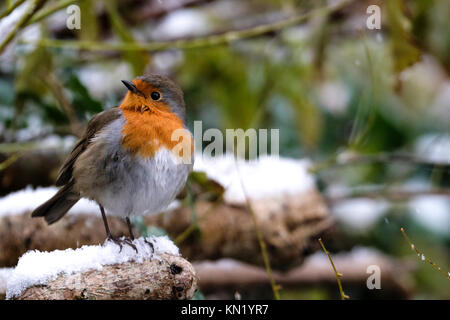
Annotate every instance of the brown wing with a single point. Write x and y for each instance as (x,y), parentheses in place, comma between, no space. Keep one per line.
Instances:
(95,124)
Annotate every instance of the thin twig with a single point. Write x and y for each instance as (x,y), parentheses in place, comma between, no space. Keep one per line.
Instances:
(192,43)
(32,8)
(58,92)
(5,164)
(422,256)
(11,8)
(193,226)
(275,288)
(45,12)
(338,275)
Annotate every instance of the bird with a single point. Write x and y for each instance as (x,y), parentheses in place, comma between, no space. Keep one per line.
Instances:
(128,160)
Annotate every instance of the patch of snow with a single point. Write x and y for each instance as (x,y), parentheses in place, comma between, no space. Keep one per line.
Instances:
(440,108)
(182,23)
(29,199)
(359,214)
(103,79)
(266,176)
(54,141)
(434,147)
(432,211)
(37,268)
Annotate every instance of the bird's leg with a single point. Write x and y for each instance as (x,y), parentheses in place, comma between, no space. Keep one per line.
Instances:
(110,237)
(130,228)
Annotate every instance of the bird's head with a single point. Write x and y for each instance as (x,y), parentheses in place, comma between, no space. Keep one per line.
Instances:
(154,92)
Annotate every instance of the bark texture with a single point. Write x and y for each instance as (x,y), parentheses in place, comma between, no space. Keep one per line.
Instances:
(172,277)
(288,224)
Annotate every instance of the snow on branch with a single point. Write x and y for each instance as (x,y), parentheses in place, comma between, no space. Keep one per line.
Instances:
(156,271)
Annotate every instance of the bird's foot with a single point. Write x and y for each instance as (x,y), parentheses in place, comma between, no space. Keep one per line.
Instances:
(150,244)
(121,241)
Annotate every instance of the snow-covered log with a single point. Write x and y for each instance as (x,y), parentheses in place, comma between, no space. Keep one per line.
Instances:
(155,271)
(290,213)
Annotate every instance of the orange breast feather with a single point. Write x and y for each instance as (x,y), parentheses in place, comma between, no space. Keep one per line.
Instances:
(144,134)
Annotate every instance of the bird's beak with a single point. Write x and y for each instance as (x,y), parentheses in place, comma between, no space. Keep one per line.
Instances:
(131,87)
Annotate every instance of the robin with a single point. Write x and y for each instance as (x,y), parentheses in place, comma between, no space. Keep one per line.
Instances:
(127,160)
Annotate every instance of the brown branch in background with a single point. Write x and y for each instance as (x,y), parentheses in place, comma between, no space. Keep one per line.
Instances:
(58,92)
(229,274)
(338,275)
(198,42)
(194,226)
(422,256)
(31,10)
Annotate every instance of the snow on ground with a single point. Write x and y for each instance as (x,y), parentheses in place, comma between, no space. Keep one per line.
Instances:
(267,176)
(432,211)
(360,214)
(434,147)
(29,199)
(36,267)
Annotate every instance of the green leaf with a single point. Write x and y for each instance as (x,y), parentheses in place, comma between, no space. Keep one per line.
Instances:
(81,98)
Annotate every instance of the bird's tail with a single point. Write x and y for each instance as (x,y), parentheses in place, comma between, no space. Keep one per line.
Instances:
(56,207)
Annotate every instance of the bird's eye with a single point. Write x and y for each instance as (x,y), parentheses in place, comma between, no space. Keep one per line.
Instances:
(155,95)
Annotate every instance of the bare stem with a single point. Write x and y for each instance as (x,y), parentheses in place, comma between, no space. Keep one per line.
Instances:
(32,8)
(45,12)
(338,275)
(11,8)
(5,164)
(275,288)
(192,43)
(422,256)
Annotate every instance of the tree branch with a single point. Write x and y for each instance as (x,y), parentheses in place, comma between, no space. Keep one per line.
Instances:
(171,278)
(32,8)
(11,8)
(192,43)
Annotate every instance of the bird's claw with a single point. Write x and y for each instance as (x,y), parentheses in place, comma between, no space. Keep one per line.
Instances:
(121,241)
(150,244)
